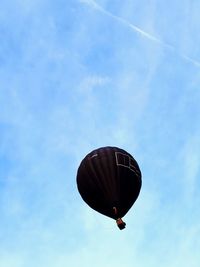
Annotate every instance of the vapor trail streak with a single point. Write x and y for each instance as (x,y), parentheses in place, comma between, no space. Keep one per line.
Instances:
(96,6)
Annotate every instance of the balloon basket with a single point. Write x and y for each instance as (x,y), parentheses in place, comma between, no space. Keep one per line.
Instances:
(120,224)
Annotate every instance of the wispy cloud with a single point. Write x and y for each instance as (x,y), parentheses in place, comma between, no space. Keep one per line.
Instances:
(90,82)
(143,33)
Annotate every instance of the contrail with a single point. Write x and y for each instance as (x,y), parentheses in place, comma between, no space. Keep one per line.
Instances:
(96,6)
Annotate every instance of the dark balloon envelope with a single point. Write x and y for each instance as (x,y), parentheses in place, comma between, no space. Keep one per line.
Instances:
(109,181)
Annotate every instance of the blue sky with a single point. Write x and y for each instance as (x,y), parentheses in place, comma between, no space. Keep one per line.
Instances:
(76,75)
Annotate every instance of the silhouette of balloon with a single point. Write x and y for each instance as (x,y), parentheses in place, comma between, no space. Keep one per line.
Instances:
(109,181)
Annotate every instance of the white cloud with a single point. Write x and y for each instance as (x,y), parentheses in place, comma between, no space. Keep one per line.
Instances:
(143,33)
(88,84)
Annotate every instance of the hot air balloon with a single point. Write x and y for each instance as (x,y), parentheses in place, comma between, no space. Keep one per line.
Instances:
(109,181)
